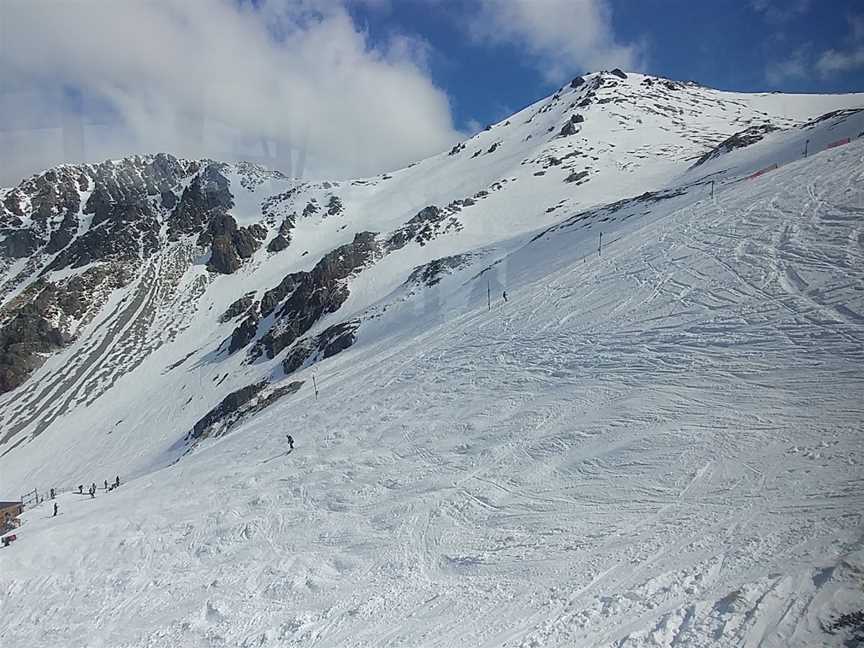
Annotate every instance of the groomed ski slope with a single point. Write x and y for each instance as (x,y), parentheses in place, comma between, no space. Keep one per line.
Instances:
(659,446)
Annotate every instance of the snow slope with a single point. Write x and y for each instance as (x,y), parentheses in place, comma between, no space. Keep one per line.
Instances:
(659,445)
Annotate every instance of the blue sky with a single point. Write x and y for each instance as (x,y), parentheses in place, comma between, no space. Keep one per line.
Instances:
(743,45)
(345,88)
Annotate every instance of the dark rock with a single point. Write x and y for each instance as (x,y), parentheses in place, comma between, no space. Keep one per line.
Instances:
(334,206)
(328,343)
(311,208)
(229,243)
(618,73)
(278,243)
(239,406)
(740,139)
(431,273)
(576,176)
(576,82)
(318,292)
(34,324)
(243,334)
(19,244)
(422,228)
(223,256)
(238,307)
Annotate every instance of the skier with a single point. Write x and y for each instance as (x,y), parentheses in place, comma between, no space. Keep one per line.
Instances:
(93,486)
(80,489)
(92,491)
(55,509)
(505,296)
(117,482)
(106,484)
(290,443)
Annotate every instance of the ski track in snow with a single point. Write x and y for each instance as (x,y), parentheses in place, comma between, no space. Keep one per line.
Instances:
(647,448)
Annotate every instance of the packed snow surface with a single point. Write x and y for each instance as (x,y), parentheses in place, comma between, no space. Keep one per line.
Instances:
(655,444)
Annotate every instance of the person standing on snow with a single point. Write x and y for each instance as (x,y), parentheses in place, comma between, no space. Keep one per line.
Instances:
(290,443)
(55,509)
(117,482)
(505,296)
(106,484)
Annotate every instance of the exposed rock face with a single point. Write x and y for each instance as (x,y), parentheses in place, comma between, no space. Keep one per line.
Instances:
(431,273)
(43,319)
(331,341)
(318,292)
(283,239)
(741,139)
(576,176)
(427,224)
(19,244)
(570,127)
(618,73)
(576,82)
(110,216)
(229,243)
(302,298)
(238,307)
(334,206)
(238,406)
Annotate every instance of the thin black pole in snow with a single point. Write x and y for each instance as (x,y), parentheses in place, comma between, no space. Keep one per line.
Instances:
(806,146)
(712,190)
(600,245)
(489,294)
(315,385)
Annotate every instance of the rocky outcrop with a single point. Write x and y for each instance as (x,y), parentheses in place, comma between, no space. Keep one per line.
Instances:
(569,128)
(45,318)
(331,341)
(314,294)
(283,239)
(206,198)
(237,407)
(577,177)
(19,244)
(431,273)
(229,243)
(740,139)
(238,307)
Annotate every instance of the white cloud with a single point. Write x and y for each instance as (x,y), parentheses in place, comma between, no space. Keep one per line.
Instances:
(563,36)
(804,63)
(294,80)
(795,67)
(780,11)
(833,62)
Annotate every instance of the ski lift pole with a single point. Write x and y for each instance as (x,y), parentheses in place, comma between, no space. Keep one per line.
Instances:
(600,245)
(806,147)
(489,294)
(315,386)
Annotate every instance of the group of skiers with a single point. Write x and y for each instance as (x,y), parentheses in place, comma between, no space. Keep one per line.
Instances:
(91,491)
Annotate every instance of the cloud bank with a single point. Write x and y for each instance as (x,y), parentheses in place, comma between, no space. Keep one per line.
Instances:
(290,83)
(563,37)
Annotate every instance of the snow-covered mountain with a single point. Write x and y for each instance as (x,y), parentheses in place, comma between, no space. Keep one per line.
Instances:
(654,441)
